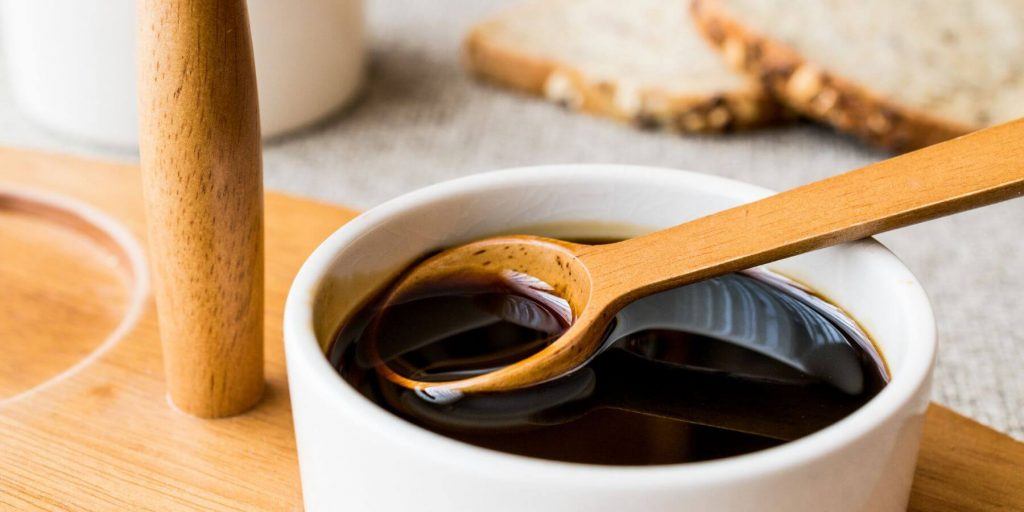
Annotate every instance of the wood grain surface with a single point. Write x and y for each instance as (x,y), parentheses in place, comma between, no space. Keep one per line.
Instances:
(103,438)
(202,180)
(87,288)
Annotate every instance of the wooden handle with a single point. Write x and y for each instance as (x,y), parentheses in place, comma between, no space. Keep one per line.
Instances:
(201,168)
(964,173)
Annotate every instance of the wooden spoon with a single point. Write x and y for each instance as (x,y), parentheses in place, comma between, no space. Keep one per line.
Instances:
(597,281)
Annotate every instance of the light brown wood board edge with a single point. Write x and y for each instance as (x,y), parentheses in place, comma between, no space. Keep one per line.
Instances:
(104,438)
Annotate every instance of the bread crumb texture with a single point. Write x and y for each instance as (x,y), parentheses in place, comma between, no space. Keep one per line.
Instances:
(642,62)
(901,74)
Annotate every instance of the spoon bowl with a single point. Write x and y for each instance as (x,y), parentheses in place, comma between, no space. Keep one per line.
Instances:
(545,269)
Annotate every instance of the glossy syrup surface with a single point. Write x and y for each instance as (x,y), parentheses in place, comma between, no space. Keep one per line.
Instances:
(720,368)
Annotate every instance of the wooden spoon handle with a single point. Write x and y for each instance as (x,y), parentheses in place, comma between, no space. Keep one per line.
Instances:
(961,174)
(201,169)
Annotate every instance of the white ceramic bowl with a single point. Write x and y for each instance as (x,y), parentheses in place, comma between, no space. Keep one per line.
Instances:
(71,63)
(355,456)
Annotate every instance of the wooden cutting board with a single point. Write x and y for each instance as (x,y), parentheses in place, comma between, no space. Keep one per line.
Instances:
(88,428)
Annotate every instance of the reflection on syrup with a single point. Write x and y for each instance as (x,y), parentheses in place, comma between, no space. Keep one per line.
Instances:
(723,367)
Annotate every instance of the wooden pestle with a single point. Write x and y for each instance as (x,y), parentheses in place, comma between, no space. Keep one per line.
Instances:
(202,180)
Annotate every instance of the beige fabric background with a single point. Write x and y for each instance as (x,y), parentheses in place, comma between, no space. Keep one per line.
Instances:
(422,120)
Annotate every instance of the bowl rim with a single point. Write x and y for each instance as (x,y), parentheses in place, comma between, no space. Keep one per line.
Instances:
(304,353)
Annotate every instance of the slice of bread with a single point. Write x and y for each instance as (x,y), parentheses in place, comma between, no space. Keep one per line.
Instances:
(901,74)
(639,61)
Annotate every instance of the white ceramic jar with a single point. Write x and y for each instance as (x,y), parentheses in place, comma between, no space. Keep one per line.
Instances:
(71,63)
(354,455)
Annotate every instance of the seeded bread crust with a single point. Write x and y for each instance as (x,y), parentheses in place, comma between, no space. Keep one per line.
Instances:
(812,91)
(646,107)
